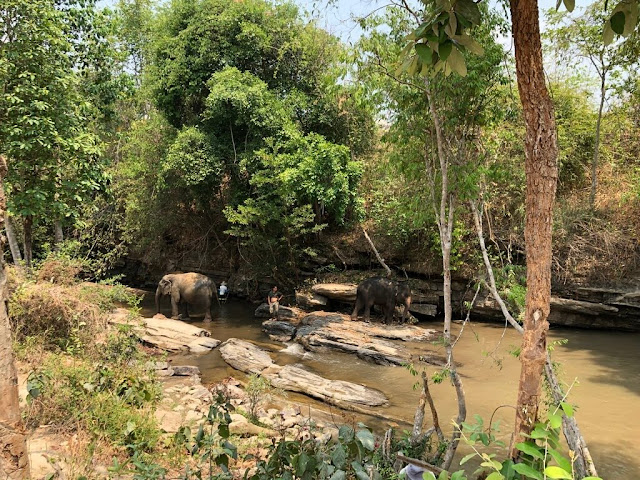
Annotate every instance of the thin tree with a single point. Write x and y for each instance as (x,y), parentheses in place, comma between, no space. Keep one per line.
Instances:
(14,462)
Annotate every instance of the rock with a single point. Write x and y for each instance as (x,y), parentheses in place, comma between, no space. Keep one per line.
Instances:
(336,291)
(279,330)
(424,309)
(165,373)
(287,313)
(169,421)
(369,341)
(203,345)
(245,356)
(584,308)
(157,365)
(310,300)
(165,333)
(251,359)
(243,427)
(185,370)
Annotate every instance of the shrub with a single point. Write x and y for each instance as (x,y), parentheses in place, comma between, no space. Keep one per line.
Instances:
(55,313)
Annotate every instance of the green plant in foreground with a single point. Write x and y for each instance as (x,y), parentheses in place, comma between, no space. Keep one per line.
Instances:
(351,456)
(210,447)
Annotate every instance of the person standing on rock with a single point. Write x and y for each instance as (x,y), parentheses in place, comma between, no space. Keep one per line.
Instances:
(273,299)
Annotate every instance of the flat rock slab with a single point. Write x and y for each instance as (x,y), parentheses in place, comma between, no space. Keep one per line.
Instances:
(321,331)
(249,358)
(344,292)
(165,333)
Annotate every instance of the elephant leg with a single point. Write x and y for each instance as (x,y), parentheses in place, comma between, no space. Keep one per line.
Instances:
(356,309)
(208,307)
(175,302)
(367,310)
(185,308)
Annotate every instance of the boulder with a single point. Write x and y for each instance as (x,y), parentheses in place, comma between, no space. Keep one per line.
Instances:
(249,358)
(185,370)
(424,309)
(288,313)
(310,300)
(279,330)
(336,291)
(245,356)
(165,333)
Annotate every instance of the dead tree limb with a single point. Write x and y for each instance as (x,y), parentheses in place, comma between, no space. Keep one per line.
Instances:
(418,420)
(375,250)
(583,464)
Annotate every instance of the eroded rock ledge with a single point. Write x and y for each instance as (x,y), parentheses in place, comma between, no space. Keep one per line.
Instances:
(249,358)
(373,342)
(165,333)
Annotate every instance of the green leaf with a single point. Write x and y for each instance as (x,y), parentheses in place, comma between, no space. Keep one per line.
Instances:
(555,420)
(557,472)
(530,449)
(469,10)
(339,456)
(458,65)
(607,35)
(617,22)
(570,4)
(466,458)
(495,476)
(567,408)
(424,52)
(562,461)
(527,471)
(338,475)
(366,437)
(444,50)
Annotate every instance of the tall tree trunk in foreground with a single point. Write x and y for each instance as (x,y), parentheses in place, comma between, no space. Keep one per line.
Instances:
(27,225)
(542,175)
(14,246)
(583,463)
(14,461)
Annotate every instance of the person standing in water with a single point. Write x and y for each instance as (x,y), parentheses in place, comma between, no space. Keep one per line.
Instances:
(273,300)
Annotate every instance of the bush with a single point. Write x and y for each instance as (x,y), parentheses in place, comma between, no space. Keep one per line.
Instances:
(55,313)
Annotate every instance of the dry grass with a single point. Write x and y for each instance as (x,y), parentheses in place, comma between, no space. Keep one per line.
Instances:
(53,312)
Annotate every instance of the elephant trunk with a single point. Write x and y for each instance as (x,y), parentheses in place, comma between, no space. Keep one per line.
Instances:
(158,295)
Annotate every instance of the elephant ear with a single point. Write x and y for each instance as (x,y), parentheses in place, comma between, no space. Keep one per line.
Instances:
(165,286)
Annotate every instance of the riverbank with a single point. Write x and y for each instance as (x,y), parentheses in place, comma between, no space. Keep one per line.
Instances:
(604,362)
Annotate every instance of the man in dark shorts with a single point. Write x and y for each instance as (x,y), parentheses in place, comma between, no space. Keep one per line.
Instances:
(273,299)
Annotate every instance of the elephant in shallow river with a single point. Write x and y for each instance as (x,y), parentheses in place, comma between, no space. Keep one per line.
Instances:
(384,292)
(185,289)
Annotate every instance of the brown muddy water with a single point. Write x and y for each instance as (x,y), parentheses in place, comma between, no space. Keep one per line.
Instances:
(602,367)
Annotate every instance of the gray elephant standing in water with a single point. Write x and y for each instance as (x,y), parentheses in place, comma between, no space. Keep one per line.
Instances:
(185,289)
(384,292)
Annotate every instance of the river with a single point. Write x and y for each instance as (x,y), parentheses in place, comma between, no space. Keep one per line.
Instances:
(602,367)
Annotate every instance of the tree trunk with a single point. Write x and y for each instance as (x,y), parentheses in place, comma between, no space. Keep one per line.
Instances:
(542,176)
(596,148)
(14,460)
(58,235)
(583,463)
(444,218)
(27,226)
(14,246)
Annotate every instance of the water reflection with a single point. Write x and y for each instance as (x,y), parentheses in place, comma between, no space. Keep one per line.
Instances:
(605,364)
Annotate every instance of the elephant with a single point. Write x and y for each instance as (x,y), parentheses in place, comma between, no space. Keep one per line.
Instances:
(187,288)
(384,292)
